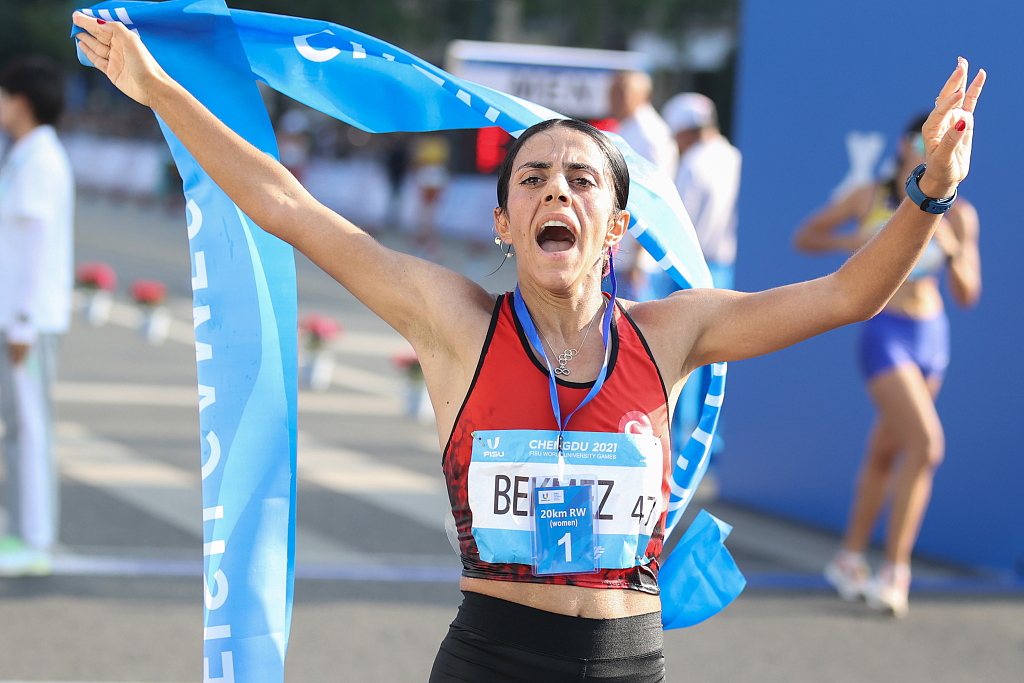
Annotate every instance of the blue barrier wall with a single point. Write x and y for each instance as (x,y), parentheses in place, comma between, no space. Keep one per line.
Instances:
(796,421)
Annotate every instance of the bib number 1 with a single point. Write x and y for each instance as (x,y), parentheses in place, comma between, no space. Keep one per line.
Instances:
(564,532)
(567,542)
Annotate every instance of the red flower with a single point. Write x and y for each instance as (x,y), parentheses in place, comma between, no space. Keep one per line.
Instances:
(96,275)
(320,328)
(408,361)
(404,359)
(149,292)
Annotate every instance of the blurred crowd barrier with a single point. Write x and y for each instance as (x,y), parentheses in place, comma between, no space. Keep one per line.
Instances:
(358,188)
(116,165)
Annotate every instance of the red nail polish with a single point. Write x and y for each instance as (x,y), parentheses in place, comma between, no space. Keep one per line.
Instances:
(960,126)
(100,21)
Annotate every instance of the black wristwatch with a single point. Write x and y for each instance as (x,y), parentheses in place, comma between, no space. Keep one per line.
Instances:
(929,204)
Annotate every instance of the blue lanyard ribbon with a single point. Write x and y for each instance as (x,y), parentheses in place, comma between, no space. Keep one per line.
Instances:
(531,333)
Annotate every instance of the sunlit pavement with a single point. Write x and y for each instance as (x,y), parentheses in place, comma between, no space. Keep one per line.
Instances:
(376,577)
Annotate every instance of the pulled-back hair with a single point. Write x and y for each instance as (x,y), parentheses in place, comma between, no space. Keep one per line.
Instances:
(41,81)
(916,124)
(616,162)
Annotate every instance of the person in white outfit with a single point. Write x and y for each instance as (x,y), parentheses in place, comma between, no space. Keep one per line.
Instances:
(708,181)
(640,125)
(646,132)
(36,243)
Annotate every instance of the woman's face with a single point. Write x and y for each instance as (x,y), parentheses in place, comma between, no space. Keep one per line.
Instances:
(912,150)
(14,110)
(561,203)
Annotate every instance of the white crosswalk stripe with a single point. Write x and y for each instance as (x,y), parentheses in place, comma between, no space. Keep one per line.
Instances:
(173,495)
(172,395)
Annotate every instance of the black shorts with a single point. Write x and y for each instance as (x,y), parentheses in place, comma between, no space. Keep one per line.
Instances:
(496,641)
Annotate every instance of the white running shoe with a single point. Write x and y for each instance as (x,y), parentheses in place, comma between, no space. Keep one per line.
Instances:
(18,559)
(889,591)
(849,574)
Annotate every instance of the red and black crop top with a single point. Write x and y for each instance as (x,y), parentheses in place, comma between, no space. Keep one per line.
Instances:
(511,391)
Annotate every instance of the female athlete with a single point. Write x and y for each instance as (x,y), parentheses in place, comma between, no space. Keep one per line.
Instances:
(561,205)
(903,353)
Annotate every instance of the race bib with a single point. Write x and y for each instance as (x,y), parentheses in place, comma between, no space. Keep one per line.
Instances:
(624,469)
(565,536)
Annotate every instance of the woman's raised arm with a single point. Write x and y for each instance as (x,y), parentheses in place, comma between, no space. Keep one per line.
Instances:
(818,232)
(722,325)
(431,306)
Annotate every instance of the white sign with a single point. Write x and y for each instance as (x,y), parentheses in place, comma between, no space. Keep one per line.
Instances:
(582,93)
(572,81)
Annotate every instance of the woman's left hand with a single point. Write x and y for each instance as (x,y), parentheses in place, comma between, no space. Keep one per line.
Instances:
(949,132)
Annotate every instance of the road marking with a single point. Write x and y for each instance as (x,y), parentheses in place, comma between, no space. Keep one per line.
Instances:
(174,495)
(363,380)
(349,404)
(114,393)
(352,342)
(382,345)
(181,396)
(420,497)
(347,471)
(101,463)
(448,571)
(170,494)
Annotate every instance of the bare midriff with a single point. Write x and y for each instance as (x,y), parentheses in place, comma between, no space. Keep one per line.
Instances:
(916,299)
(573,601)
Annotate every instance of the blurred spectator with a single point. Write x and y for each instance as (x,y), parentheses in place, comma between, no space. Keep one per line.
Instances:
(644,130)
(708,181)
(293,142)
(36,242)
(397,164)
(430,161)
(903,353)
(639,123)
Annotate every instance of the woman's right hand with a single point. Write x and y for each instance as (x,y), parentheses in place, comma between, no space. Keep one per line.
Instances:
(121,55)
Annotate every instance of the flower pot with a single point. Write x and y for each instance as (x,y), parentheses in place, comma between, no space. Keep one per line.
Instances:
(321,370)
(97,311)
(425,414)
(156,324)
(417,402)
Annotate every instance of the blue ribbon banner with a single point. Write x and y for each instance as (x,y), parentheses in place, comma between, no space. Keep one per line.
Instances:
(245,299)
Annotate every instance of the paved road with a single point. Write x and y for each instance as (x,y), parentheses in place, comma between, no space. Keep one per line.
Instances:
(125,603)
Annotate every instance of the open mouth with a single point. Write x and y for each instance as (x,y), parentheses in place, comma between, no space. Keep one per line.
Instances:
(555,236)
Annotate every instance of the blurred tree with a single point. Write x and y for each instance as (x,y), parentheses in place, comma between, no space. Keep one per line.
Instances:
(423,27)
(41,26)
(609,23)
(426,26)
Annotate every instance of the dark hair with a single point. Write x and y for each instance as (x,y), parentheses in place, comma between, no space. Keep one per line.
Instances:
(915,125)
(41,81)
(616,162)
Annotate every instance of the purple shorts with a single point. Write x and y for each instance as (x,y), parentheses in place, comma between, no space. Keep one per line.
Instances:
(889,340)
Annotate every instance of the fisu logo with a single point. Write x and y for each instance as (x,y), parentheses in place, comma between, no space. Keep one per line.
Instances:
(493,443)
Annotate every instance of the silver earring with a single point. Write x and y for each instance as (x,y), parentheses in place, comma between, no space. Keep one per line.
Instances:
(508,253)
